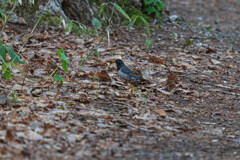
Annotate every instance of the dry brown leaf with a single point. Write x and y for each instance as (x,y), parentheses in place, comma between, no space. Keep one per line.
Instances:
(161,112)
(9,136)
(209,50)
(186,65)
(99,64)
(157,60)
(196,57)
(103,76)
(172,80)
(215,62)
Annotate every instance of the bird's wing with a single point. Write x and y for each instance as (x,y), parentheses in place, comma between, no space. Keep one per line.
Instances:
(129,72)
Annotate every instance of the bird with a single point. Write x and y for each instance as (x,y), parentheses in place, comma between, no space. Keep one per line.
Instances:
(125,73)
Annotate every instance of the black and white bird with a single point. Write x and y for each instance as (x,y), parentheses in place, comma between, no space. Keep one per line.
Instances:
(125,73)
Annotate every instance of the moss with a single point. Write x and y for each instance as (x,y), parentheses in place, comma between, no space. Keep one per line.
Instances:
(28,11)
(49,20)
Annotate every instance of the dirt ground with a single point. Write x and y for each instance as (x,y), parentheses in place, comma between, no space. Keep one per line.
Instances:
(189,110)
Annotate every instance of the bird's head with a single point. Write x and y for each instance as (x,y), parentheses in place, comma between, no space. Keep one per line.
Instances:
(119,63)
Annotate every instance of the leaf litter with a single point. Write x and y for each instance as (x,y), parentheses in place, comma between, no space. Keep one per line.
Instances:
(191,102)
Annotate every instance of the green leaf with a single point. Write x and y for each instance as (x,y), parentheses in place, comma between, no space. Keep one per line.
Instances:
(144,21)
(147,2)
(14,96)
(160,5)
(63,59)
(58,78)
(103,5)
(97,53)
(157,14)
(17,67)
(32,1)
(96,23)
(130,25)
(5,66)
(188,42)
(3,17)
(15,58)
(69,27)
(3,2)
(146,24)
(3,53)
(150,10)
(7,75)
(121,11)
(147,43)
(12,1)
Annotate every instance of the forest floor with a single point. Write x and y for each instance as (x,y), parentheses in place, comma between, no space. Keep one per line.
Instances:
(190,110)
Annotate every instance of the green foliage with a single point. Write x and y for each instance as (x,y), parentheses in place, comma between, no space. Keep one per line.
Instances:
(8,65)
(50,20)
(130,20)
(58,78)
(147,44)
(121,11)
(63,59)
(69,27)
(7,75)
(81,29)
(3,17)
(143,20)
(14,96)
(97,53)
(64,62)
(93,50)
(153,7)
(96,23)
(189,42)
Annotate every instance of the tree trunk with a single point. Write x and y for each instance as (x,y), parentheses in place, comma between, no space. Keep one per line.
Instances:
(82,11)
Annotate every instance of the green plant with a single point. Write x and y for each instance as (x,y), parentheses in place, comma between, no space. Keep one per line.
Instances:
(93,50)
(147,44)
(3,5)
(96,23)
(14,96)
(6,66)
(130,20)
(189,42)
(153,7)
(64,62)
(3,17)
(80,29)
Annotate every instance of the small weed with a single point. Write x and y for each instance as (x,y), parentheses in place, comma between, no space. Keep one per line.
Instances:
(147,44)
(143,96)
(153,7)
(64,62)
(130,20)
(6,66)
(112,54)
(14,96)
(189,42)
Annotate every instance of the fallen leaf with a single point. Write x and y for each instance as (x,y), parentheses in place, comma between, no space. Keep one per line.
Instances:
(215,62)
(103,76)
(209,50)
(157,60)
(172,80)
(161,112)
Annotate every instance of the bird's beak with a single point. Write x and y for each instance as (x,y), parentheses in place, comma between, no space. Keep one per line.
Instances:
(113,61)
